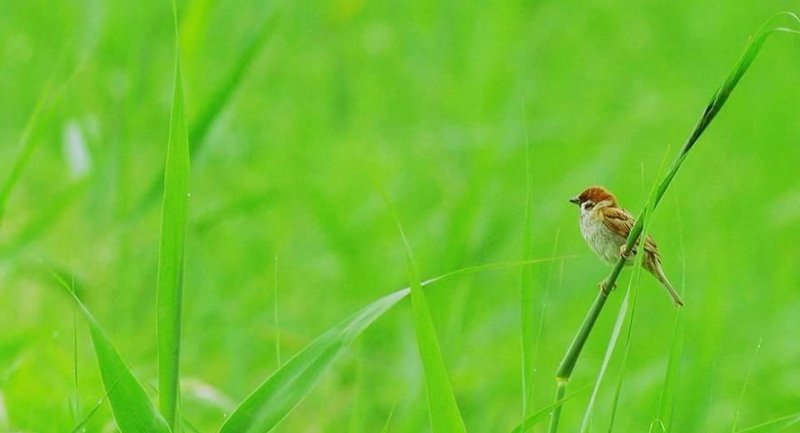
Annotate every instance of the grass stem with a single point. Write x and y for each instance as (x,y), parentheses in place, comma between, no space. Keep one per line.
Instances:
(718,100)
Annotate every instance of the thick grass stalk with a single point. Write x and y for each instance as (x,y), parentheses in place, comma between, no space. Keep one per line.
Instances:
(171,254)
(718,100)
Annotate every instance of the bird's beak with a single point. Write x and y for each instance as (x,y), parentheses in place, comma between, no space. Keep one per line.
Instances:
(575,200)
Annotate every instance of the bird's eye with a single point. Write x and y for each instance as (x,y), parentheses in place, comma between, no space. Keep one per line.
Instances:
(587,205)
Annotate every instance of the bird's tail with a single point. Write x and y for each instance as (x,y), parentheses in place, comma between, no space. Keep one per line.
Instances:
(658,272)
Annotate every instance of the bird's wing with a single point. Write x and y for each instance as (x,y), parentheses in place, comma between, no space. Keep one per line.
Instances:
(621,222)
(618,220)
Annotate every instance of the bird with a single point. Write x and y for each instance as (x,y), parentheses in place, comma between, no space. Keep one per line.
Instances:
(605,227)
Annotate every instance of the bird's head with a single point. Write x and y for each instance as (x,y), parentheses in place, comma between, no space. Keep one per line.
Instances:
(594,197)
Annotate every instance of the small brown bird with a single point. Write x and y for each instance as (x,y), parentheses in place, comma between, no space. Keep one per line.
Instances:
(606,226)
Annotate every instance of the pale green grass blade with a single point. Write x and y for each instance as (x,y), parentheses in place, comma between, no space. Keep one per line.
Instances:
(527,299)
(48,98)
(778,424)
(133,410)
(201,125)
(623,312)
(442,405)
(744,386)
(221,98)
(79,428)
(444,412)
(274,399)
(388,424)
(542,414)
(44,219)
(275,316)
(238,207)
(26,147)
(663,421)
(631,295)
(171,254)
(666,403)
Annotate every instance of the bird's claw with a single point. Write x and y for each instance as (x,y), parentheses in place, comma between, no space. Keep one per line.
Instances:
(604,287)
(624,253)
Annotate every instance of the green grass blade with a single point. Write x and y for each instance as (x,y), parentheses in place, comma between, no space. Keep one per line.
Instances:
(663,419)
(542,414)
(718,100)
(275,316)
(777,424)
(133,410)
(44,220)
(275,398)
(632,296)
(26,146)
(444,412)
(527,299)
(171,254)
(666,403)
(388,424)
(201,125)
(442,405)
(744,386)
(623,311)
(48,98)
(221,98)
(80,427)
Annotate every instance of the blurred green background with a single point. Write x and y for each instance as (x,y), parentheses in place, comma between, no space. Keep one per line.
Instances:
(438,99)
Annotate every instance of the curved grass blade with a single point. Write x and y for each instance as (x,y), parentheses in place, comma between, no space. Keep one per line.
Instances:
(274,399)
(542,414)
(442,405)
(133,410)
(774,425)
(744,386)
(171,252)
(80,427)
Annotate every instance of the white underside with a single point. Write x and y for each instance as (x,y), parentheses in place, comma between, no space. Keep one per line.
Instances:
(605,243)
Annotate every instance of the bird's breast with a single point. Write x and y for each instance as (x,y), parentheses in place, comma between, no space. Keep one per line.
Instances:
(601,239)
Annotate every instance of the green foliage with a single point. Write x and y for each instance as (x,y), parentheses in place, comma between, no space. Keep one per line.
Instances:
(171,254)
(712,109)
(134,412)
(475,114)
(279,394)
(443,408)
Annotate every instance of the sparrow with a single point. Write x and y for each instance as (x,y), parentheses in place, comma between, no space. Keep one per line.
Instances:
(606,226)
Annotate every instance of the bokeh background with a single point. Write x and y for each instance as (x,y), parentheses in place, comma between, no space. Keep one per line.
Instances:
(438,101)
